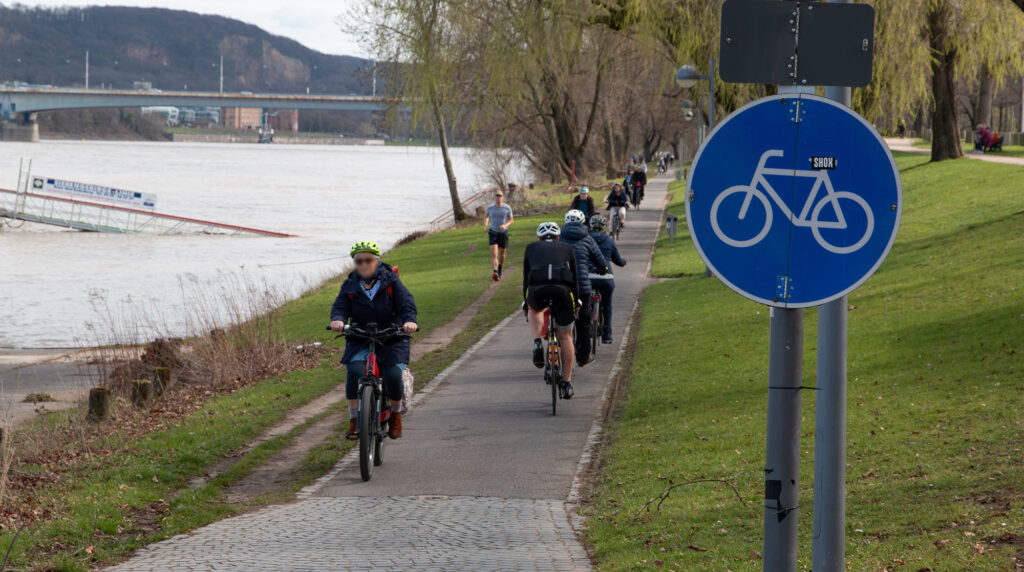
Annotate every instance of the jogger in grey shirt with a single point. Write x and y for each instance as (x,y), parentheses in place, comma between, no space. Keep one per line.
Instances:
(499,218)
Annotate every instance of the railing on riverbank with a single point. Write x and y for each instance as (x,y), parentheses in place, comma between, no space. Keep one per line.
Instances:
(469,205)
(98,217)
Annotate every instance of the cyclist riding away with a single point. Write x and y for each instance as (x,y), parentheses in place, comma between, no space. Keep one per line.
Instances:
(589,260)
(604,284)
(639,182)
(550,277)
(373,294)
(584,203)
(499,218)
(618,203)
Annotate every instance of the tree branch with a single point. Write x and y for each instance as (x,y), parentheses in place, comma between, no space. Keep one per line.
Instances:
(663,495)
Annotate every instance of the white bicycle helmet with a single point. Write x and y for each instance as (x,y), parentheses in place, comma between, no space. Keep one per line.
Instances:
(575,216)
(548,229)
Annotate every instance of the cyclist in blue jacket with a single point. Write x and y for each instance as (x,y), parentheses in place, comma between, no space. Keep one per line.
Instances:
(373,294)
(604,284)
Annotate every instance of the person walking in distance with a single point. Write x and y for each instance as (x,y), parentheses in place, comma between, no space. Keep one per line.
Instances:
(499,218)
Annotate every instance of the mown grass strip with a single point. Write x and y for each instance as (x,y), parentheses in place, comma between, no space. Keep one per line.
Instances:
(935,436)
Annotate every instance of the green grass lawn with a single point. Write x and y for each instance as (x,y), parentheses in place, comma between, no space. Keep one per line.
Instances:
(1008,150)
(935,434)
(98,505)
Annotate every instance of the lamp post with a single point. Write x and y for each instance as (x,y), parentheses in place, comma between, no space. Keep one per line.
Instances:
(687,107)
(686,78)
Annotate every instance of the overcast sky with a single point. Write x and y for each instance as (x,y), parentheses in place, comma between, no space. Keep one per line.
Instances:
(311,22)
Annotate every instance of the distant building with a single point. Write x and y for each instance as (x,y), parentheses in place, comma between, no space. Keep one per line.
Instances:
(284,120)
(199,116)
(170,114)
(240,117)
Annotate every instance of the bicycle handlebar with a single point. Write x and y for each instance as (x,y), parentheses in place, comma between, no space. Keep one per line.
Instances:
(375,335)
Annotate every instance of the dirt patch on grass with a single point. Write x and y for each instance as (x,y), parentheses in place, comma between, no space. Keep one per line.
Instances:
(279,470)
(1016,543)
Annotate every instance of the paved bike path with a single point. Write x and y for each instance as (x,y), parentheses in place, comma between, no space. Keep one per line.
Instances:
(479,481)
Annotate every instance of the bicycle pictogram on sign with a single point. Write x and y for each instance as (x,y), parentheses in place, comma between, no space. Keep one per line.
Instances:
(810,215)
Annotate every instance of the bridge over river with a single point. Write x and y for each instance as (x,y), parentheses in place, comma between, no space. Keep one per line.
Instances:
(19,107)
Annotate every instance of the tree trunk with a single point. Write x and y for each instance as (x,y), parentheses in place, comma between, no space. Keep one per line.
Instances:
(983,108)
(453,187)
(609,150)
(99,404)
(945,131)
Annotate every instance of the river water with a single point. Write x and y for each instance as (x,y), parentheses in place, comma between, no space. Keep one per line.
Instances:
(62,288)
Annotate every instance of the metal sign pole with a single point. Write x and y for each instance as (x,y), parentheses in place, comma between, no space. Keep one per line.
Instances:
(782,461)
(829,545)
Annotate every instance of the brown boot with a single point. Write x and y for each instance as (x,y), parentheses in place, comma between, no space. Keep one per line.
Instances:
(353,434)
(395,425)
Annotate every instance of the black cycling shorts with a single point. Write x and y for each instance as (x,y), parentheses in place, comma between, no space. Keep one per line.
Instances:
(563,306)
(499,238)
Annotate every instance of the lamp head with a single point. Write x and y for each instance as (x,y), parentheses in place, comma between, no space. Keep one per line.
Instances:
(687,106)
(687,76)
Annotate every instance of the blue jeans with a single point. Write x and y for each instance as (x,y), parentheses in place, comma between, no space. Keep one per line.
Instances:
(392,376)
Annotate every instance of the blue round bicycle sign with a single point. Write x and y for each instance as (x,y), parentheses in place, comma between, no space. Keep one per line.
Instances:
(794,200)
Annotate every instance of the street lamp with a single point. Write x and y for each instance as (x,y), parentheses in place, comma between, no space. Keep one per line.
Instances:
(688,76)
(687,106)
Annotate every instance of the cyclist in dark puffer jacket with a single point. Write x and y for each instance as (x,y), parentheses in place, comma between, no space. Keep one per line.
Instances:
(589,260)
(604,284)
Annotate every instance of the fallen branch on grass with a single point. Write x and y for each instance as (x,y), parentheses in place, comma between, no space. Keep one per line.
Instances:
(663,495)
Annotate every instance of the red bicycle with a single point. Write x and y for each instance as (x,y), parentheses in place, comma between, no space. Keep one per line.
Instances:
(374,405)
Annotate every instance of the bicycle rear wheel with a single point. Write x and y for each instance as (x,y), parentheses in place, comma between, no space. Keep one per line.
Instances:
(595,327)
(554,370)
(367,431)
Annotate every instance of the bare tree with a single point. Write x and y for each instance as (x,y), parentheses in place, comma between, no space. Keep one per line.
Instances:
(422,47)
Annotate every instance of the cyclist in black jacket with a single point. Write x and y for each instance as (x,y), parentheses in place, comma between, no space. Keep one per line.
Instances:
(618,203)
(550,276)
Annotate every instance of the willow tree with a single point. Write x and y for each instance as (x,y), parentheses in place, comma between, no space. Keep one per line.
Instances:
(423,47)
(924,48)
(545,67)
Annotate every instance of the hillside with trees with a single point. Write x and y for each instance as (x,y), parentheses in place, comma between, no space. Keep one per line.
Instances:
(171,48)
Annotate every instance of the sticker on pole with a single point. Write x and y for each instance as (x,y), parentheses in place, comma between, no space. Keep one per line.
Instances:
(794,200)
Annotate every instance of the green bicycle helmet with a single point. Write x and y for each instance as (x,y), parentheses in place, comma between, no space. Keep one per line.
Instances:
(365,246)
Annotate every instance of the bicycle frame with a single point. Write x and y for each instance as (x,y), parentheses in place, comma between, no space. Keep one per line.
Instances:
(804,220)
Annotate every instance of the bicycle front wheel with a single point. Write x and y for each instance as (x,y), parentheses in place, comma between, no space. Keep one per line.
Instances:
(367,431)
(381,439)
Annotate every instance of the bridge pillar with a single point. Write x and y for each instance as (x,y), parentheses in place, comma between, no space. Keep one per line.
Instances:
(24,131)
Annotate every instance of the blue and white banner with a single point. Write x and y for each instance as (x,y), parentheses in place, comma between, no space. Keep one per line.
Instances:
(95,192)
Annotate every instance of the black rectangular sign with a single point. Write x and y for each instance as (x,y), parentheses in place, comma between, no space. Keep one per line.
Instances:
(789,42)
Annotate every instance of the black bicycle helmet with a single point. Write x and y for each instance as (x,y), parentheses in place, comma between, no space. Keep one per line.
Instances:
(598,223)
